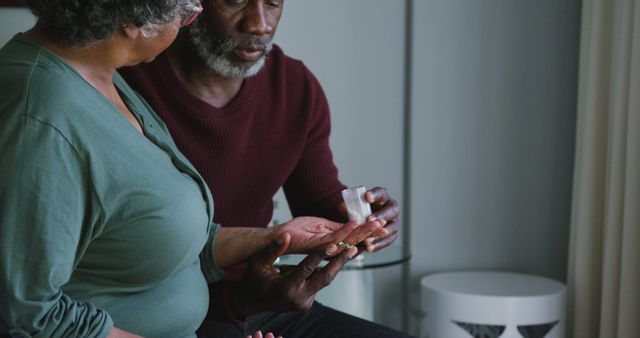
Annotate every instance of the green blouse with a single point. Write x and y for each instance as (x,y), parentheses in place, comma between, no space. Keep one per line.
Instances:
(100,225)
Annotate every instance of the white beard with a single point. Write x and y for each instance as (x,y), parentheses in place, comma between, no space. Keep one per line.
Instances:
(215,52)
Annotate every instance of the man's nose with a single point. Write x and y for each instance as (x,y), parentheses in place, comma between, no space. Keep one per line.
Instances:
(258,20)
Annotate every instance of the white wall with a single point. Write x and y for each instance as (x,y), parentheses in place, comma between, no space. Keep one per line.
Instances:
(358,61)
(12,21)
(356,50)
(494,86)
(494,91)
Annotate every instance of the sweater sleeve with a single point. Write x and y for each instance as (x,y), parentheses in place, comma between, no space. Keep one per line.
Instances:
(44,225)
(313,188)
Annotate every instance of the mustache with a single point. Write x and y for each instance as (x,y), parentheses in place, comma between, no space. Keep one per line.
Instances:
(253,42)
(228,45)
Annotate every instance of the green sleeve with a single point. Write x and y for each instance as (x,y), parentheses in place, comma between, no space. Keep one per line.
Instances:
(212,272)
(45,223)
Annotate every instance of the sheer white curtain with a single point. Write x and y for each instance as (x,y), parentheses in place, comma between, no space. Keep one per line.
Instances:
(604,258)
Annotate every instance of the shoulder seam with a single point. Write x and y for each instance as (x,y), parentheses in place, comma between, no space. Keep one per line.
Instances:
(27,86)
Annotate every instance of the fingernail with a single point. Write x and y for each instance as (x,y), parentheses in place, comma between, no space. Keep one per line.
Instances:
(352,252)
(368,196)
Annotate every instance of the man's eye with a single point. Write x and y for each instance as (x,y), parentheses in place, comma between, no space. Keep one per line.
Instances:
(274,3)
(237,3)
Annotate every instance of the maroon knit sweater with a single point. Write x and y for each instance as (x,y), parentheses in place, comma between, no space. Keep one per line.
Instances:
(274,133)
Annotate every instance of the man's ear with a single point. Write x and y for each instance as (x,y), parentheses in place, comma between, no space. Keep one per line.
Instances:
(131,31)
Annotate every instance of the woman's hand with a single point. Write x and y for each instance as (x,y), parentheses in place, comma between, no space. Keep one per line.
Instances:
(117,333)
(235,245)
(308,233)
(258,334)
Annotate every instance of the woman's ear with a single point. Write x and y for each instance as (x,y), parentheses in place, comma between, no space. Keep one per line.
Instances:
(131,31)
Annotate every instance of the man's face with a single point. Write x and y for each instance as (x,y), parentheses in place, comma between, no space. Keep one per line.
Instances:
(234,36)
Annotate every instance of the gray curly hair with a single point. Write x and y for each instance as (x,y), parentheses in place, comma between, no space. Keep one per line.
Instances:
(82,22)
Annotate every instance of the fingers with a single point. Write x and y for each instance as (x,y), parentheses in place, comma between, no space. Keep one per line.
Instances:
(389,230)
(278,248)
(382,231)
(323,277)
(311,262)
(377,196)
(282,244)
(333,226)
(387,212)
(258,334)
(376,243)
(392,227)
(274,250)
(341,233)
(381,243)
(385,207)
(369,229)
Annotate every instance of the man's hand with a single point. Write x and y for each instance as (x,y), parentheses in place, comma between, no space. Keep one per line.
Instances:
(308,233)
(386,210)
(268,290)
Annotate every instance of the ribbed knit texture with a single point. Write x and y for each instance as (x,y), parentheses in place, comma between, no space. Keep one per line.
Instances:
(274,133)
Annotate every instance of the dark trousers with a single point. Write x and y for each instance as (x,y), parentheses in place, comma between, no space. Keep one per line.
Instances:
(319,322)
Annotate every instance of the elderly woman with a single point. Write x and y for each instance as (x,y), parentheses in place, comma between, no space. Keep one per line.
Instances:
(105,228)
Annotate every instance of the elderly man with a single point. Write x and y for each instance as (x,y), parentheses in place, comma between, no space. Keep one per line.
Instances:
(252,120)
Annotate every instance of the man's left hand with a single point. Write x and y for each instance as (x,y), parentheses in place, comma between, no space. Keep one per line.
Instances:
(385,209)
